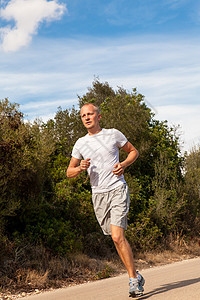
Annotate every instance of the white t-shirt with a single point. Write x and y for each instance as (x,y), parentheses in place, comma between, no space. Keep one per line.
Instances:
(103,150)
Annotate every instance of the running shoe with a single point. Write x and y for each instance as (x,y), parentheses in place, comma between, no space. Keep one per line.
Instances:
(136,289)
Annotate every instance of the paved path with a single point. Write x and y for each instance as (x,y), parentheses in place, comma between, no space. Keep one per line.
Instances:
(178,281)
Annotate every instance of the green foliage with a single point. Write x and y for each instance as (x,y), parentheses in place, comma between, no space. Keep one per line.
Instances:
(191,192)
(66,129)
(54,233)
(73,197)
(143,233)
(121,110)
(25,153)
(138,201)
(166,204)
(13,158)
(105,273)
(64,214)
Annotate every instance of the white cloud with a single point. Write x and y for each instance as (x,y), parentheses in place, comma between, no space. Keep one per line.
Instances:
(46,104)
(43,109)
(27,14)
(166,70)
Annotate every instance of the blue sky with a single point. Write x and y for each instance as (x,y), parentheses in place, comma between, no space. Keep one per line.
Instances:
(50,52)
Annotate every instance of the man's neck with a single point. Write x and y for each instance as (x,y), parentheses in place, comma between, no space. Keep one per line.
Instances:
(93,131)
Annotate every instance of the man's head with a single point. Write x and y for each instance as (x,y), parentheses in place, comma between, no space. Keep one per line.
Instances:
(90,116)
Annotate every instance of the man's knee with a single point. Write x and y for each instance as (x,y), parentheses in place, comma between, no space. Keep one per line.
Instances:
(118,236)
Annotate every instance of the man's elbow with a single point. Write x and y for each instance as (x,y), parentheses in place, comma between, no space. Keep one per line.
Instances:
(137,153)
(68,173)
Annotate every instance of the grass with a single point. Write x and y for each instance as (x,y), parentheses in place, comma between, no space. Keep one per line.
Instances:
(36,269)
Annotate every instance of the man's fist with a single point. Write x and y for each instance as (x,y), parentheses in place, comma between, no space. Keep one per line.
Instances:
(118,169)
(84,164)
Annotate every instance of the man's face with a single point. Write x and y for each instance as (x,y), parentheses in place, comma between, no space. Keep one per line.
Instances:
(89,116)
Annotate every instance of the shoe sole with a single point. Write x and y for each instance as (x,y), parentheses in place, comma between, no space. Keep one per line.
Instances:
(135,295)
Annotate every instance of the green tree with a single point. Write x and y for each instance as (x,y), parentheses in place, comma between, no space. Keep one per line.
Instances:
(25,152)
(66,129)
(12,135)
(191,192)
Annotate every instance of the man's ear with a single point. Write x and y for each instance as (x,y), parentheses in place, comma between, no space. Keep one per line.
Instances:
(99,117)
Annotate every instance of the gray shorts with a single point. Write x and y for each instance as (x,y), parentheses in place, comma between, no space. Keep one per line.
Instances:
(112,208)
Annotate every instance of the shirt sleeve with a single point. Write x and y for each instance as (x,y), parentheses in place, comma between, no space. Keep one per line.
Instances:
(76,152)
(120,138)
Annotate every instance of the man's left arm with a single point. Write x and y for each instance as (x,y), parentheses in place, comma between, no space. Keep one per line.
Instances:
(132,156)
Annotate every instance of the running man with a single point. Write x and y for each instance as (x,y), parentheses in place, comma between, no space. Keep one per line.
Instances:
(98,153)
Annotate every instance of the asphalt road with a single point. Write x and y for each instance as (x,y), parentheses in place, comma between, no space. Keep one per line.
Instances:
(177,281)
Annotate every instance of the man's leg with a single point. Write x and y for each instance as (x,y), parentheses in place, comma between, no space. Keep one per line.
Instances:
(123,249)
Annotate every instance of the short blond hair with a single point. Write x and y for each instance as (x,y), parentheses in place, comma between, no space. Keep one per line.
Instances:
(94,105)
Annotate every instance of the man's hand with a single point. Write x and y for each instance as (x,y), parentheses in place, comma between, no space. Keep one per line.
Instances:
(84,164)
(76,166)
(132,156)
(118,169)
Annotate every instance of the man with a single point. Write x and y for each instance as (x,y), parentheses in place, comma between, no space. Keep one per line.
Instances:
(98,153)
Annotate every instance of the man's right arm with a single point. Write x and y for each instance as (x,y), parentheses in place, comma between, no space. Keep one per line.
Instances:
(76,166)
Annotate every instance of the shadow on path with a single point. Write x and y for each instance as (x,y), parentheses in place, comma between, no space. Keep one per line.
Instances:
(170,286)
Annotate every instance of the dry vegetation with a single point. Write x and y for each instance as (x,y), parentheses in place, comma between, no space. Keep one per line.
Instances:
(46,272)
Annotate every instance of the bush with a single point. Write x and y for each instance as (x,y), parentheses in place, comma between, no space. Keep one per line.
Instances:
(143,234)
